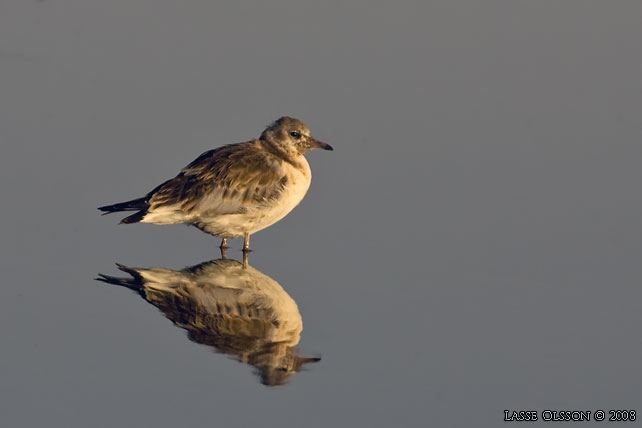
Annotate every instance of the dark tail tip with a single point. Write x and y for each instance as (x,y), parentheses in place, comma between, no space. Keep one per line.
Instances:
(134,218)
(134,283)
(133,205)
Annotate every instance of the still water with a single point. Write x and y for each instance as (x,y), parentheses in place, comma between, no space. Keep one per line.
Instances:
(471,246)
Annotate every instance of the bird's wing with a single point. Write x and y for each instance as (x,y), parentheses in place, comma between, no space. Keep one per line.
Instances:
(225,180)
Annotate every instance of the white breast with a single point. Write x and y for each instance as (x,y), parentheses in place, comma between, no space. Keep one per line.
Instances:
(296,188)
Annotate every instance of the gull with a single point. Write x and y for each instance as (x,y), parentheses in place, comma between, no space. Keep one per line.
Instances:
(229,306)
(234,190)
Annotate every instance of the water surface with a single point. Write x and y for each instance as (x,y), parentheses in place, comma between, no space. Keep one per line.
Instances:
(472,244)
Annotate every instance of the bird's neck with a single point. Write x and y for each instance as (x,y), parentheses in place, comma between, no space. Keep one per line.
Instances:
(295,159)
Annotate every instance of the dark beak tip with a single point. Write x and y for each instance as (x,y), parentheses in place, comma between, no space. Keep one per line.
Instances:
(316,144)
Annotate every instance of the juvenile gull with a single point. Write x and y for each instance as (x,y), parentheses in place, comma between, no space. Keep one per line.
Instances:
(234,190)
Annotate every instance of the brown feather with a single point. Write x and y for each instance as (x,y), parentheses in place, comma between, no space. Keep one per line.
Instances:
(241,171)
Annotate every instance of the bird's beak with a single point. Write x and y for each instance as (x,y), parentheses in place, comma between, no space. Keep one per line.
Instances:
(313,143)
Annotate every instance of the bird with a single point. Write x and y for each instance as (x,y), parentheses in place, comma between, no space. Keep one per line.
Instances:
(236,189)
(229,306)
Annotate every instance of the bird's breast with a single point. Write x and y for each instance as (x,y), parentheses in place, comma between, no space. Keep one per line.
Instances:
(297,185)
(295,188)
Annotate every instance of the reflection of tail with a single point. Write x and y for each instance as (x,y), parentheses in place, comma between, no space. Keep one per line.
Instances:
(139,205)
(135,283)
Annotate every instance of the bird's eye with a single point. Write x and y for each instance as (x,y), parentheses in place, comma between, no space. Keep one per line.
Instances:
(295,134)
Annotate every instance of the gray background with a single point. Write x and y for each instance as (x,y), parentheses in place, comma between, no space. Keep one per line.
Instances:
(472,244)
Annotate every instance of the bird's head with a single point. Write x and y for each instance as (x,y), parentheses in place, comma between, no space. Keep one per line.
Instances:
(291,136)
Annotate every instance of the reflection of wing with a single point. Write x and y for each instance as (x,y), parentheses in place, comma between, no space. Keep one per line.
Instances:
(225,180)
(235,309)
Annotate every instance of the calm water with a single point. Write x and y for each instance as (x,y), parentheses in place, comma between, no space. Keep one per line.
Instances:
(472,245)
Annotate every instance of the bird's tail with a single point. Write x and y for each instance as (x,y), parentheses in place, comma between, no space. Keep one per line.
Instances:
(133,205)
(139,205)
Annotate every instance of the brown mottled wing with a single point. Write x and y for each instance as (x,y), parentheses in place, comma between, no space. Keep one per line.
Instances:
(225,180)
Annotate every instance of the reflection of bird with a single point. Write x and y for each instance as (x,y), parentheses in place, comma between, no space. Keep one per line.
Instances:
(234,190)
(233,308)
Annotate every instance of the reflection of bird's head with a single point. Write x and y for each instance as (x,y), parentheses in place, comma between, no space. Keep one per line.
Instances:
(278,362)
(291,136)
(233,308)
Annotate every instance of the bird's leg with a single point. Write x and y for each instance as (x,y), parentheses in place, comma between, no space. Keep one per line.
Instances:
(246,258)
(223,248)
(246,242)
